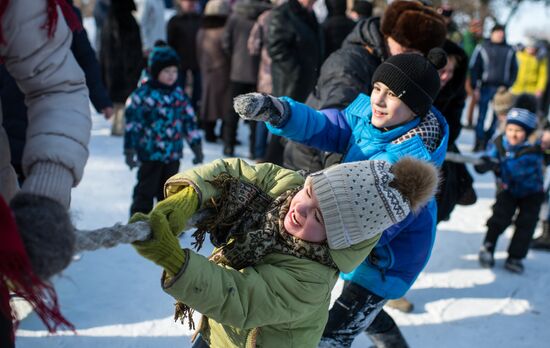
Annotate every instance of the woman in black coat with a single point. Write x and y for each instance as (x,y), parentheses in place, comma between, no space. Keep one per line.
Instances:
(120,57)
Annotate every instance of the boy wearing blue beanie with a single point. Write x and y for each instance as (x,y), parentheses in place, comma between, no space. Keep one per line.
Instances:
(518,166)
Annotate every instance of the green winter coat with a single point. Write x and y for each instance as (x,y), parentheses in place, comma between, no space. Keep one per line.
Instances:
(281,301)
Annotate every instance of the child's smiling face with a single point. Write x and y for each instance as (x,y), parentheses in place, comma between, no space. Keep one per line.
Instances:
(387,109)
(304,219)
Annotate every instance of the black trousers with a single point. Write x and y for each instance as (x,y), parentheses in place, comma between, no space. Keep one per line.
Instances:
(151,177)
(352,313)
(525,223)
(231,119)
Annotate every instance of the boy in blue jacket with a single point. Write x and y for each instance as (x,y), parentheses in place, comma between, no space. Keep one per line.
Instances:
(158,116)
(397,120)
(518,166)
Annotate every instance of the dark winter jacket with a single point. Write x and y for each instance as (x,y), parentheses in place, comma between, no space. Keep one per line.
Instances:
(451,98)
(181,34)
(344,75)
(455,178)
(493,65)
(244,67)
(120,54)
(158,118)
(336,26)
(520,167)
(296,47)
(86,58)
(348,71)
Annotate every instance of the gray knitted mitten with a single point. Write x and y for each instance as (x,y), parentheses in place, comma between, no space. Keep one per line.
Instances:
(47,232)
(262,107)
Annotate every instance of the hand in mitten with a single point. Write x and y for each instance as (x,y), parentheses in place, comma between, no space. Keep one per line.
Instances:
(197,151)
(178,208)
(262,107)
(130,159)
(487,164)
(162,247)
(47,232)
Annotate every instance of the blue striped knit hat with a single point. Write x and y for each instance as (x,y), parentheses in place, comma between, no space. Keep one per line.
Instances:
(523,118)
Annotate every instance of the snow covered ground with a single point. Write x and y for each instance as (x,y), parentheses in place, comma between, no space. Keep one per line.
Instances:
(114,298)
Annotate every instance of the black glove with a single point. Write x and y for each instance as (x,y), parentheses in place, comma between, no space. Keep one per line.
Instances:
(130,159)
(197,151)
(262,107)
(486,165)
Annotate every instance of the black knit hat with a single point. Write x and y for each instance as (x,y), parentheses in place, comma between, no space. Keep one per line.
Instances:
(413,78)
(161,57)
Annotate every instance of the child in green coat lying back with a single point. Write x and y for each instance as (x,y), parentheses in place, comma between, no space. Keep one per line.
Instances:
(280,239)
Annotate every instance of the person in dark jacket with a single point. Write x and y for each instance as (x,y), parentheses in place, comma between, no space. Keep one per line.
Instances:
(181,34)
(13,100)
(244,66)
(456,185)
(297,50)
(493,64)
(120,57)
(336,26)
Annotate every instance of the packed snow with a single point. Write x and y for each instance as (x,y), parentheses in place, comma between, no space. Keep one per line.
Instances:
(113,296)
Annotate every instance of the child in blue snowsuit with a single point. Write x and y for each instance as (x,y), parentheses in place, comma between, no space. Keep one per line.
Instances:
(518,166)
(158,116)
(397,120)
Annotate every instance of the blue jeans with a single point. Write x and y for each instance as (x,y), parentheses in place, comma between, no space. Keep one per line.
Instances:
(486,93)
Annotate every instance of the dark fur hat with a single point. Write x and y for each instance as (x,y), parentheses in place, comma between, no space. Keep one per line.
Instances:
(414,25)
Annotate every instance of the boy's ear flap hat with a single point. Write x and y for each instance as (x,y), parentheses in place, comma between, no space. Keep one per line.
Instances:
(359,200)
(523,118)
(414,25)
(162,56)
(413,78)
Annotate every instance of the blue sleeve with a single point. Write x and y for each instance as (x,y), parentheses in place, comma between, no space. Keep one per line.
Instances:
(394,230)
(327,130)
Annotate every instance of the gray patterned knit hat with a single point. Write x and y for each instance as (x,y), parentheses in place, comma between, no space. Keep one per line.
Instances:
(359,200)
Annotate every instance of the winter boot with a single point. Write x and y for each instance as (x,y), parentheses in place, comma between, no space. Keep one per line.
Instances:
(401,304)
(542,242)
(389,339)
(514,265)
(486,258)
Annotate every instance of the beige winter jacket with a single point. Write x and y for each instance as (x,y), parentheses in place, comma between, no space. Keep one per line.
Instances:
(57,99)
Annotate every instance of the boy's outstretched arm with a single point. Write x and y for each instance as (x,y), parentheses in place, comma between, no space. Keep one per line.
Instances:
(326,130)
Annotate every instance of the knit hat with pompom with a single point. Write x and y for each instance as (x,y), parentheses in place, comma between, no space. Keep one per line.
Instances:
(359,200)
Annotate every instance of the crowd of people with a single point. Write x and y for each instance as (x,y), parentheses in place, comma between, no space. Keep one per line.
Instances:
(366,103)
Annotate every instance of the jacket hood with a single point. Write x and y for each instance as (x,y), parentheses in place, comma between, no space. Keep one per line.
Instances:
(251,9)
(367,33)
(350,258)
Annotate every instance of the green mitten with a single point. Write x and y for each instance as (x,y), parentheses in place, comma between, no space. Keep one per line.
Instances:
(163,248)
(178,208)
